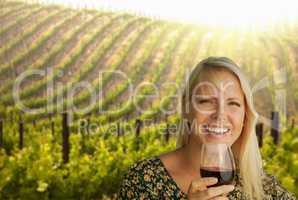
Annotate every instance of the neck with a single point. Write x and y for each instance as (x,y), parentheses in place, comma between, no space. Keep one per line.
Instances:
(191,153)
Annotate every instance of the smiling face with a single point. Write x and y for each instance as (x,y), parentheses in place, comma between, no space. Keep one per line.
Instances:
(218,103)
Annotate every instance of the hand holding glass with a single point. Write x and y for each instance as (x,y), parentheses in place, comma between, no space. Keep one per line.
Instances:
(217,160)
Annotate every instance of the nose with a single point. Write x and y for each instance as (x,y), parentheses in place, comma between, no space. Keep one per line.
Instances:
(220,113)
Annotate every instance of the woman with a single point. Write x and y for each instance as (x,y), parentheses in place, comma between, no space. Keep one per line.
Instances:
(218,99)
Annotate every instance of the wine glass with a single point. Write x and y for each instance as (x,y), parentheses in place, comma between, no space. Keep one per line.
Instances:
(217,160)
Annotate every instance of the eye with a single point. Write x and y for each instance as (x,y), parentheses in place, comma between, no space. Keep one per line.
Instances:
(203,101)
(234,103)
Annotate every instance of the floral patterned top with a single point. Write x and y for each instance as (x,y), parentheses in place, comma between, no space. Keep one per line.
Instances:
(149,179)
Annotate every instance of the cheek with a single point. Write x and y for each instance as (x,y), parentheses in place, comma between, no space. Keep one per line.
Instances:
(238,120)
(201,118)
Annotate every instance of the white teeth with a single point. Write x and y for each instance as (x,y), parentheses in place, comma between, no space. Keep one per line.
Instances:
(217,130)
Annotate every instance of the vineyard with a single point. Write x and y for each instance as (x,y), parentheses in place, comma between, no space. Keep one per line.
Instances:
(118,76)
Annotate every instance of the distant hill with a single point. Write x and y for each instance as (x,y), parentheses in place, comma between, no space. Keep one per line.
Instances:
(68,49)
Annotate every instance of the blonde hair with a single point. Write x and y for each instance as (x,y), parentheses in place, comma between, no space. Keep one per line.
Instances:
(250,161)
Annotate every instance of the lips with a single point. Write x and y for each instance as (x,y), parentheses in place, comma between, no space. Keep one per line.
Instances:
(217,132)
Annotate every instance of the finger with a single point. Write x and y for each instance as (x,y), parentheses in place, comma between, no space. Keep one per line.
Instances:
(210,180)
(225,194)
(206,181)
(220,198)
(202,183)
(216,191)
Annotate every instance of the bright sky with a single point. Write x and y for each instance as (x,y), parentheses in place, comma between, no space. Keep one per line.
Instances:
(215,12)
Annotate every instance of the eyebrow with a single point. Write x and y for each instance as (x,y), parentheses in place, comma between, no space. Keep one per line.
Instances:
(234,98)
(213,96)
(205,97)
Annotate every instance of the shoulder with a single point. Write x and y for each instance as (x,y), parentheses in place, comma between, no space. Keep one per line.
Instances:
(139,180)
(273,187)
(144,167)
(141,168)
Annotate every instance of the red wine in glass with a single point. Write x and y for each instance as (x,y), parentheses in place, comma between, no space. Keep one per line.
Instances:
(224,176)
(217,160)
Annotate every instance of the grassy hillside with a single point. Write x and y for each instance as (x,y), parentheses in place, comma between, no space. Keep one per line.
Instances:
(69,48)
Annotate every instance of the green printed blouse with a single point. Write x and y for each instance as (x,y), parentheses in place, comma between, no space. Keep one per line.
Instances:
(149,179)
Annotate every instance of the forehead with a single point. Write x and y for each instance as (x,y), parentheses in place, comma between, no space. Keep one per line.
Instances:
(216,82)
